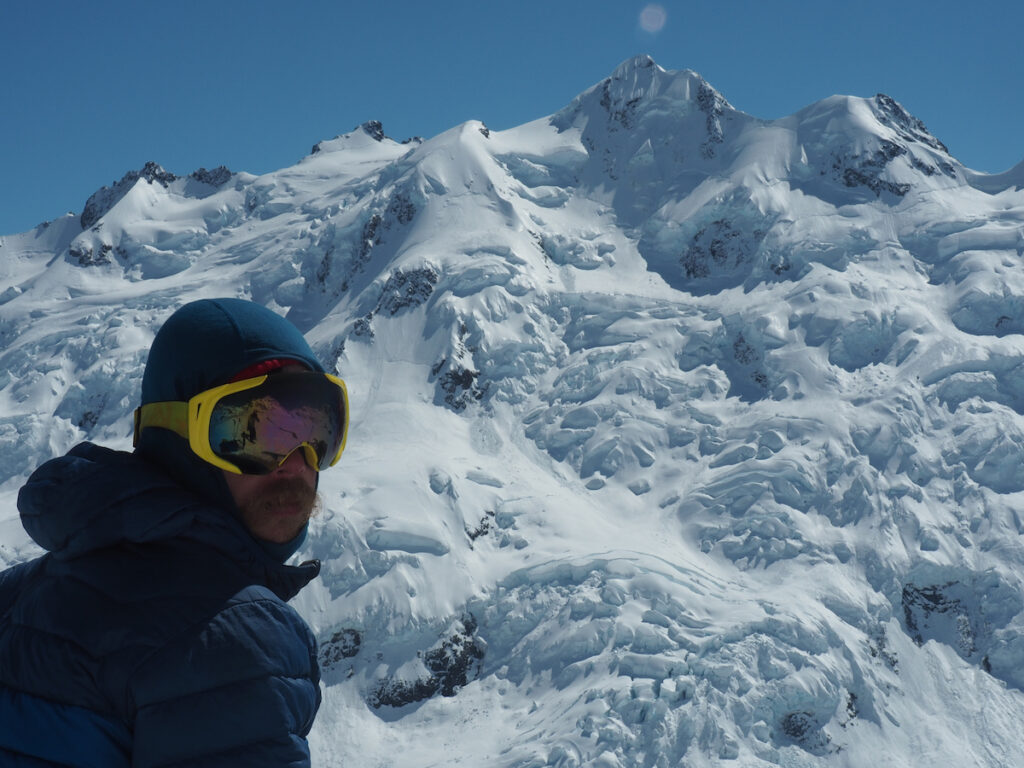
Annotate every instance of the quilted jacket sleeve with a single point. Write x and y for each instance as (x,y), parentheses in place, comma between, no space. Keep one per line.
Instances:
(240,689)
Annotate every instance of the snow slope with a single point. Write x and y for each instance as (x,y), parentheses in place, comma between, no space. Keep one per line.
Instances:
(679,437)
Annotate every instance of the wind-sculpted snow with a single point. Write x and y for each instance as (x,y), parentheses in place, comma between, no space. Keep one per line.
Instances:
(679,437)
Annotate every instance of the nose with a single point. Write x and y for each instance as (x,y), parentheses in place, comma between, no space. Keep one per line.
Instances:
(295,464)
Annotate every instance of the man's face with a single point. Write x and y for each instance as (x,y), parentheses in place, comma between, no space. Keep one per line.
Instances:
(276,506)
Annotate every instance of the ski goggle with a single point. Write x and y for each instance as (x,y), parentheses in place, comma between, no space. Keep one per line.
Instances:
(252,426)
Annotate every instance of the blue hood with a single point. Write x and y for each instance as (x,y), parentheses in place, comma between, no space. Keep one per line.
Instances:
(207,342)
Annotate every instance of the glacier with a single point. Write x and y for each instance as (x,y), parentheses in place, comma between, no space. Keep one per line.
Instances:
(680,437)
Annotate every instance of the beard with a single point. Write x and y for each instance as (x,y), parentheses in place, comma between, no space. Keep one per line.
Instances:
(278,510)
(287,493)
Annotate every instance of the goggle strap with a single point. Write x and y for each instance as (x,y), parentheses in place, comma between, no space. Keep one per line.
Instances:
(172,415)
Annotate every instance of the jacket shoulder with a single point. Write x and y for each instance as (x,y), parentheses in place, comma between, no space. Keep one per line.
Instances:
(246,681)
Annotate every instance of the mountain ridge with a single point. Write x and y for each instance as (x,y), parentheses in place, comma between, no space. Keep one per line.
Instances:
(632,82)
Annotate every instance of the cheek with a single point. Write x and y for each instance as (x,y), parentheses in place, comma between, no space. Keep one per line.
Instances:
(242,487)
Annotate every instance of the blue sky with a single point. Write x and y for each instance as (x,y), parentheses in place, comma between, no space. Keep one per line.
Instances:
(92,90)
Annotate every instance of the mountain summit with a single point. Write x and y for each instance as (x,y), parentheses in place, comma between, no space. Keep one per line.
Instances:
(641,96)
(680,437)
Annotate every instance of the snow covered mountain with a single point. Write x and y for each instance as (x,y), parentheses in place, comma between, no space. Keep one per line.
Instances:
(679,437)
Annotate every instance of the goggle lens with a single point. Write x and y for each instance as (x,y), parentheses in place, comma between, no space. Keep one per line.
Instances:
(256,429)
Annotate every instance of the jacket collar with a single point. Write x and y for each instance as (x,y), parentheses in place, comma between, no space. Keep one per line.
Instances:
(94,497)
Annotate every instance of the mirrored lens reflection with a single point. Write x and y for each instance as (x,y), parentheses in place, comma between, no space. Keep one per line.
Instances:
(259,428)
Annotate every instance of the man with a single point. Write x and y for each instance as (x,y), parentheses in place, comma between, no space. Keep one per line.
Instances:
(155,631)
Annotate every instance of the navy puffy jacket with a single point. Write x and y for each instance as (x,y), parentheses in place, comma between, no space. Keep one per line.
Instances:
(154,633)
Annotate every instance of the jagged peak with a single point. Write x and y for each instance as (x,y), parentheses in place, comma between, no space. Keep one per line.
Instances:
(371,129)
(872,147)
(638,82)
(151,172)
(891,113)
(215,177)
(374,129)
(105,198)
(870,115)
(641,77)
(637,63)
